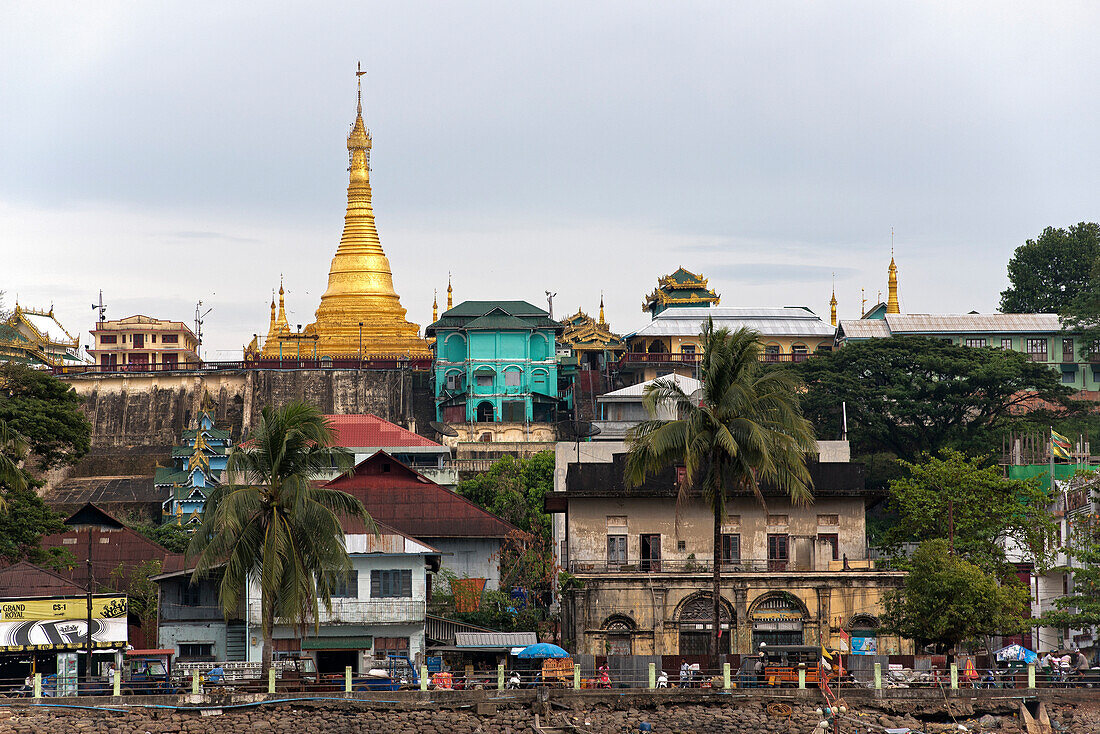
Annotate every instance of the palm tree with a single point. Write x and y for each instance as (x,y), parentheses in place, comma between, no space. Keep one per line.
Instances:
(273,525)
(13,449)
(743,431)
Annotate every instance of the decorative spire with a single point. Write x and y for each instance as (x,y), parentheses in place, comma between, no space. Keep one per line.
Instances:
(435,306)
(832,303)
(450,293)
(862,302)
(892,305)
(601,322)
(281,324)
(271,326)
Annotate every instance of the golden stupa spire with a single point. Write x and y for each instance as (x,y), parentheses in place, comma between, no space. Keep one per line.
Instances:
(435,306)
(892,305)
(281,324)
(832,303)
(360,284)
(450,293)
(601,322)
(271,326)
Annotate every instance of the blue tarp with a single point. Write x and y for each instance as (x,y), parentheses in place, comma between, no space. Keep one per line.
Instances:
(1016,652)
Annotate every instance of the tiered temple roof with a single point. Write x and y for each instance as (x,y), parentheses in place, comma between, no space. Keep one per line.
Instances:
(681,288)
(37,338)
(197,466)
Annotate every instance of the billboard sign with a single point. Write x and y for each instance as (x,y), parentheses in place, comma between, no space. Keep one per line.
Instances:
(61,624)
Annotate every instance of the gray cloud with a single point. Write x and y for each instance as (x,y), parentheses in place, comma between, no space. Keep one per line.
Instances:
(777,273)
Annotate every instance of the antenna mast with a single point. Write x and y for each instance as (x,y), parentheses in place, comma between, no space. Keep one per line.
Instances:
(100,307)
(199,316)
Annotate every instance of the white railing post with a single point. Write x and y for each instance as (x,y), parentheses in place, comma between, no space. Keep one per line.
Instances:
(38,685)
(347,679)
(194,682)
(116,683)
(878,676)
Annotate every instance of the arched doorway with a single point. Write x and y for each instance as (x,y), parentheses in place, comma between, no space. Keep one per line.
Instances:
(864,630)
(619,631)
(484,412)
(778,619)
(696,621)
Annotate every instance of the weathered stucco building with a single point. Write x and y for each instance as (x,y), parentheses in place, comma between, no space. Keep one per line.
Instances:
(790,575)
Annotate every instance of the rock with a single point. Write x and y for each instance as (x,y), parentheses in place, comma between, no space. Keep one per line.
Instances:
(989,722)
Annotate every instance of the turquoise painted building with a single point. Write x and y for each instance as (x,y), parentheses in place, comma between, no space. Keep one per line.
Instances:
(495,361)
(1038,335)
(197,466)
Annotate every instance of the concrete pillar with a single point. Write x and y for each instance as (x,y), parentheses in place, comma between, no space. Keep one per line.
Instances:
(652,675)
(1031,675)
(878,676)
(271,680)
(423,677)
(954,675)
(576,676)
(726,676)
(194,682)
(38,685)
(116,683)
(500,677)
(347,679)
(802,675)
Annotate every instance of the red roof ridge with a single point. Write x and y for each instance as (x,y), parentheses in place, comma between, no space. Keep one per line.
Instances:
(367,429)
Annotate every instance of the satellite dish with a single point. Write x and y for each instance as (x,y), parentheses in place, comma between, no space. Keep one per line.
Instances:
(578,429)
(442,429)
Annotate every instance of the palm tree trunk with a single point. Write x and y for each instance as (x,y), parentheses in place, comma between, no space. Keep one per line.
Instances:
(716,591)
(268,625)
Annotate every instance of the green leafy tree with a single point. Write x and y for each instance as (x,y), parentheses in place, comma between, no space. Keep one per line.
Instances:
(1081,316)
(13,449)
(274,526)
(513,489)
(744,432)
(1081,609)
(985,511)
(1048,272)
(908,395)
(141,591)
(47,412)
(23,526)
(170,536)
(946,600)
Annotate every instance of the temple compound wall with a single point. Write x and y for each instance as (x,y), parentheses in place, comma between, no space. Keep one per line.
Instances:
(151,409)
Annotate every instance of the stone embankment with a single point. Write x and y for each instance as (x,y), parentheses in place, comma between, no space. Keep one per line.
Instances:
(508,712)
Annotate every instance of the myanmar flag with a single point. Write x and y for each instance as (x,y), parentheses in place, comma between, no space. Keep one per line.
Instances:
(1060,446)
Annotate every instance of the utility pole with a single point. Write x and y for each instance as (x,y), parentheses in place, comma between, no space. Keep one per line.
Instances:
(88,631)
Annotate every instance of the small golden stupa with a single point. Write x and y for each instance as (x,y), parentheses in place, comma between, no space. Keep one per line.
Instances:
(360,313)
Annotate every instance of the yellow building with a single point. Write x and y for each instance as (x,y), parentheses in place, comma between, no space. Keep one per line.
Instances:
(37,339)
(791,575)
(360,314)
(144,343)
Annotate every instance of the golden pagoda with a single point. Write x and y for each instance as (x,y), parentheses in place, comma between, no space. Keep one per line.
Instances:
(360,313)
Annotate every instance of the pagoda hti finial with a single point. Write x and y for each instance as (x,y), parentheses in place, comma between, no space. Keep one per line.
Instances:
(601,321)
(832,303)
(892,305)
(359,85)
(863,301)
(435,306)
(450,292)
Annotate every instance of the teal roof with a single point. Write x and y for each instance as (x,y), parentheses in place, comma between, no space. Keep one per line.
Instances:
(494,315)
(189,434)
(167,475)
(10,334)
(183,452)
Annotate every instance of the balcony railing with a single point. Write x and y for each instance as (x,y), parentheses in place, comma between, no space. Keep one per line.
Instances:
(692,359)
(363,611)
(705,566)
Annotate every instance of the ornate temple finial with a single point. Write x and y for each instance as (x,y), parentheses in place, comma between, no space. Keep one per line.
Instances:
(832,303)
(359,85)
(450,292)
(435,305)
(602,322)
(271,326)
(862,302)
(892,305)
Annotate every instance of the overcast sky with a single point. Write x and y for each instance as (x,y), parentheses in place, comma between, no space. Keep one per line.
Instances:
(171,152)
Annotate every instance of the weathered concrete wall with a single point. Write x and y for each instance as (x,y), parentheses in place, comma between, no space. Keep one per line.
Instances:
(151,409)
(513,711)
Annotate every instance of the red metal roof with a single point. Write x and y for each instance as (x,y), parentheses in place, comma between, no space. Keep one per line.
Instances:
(108,547)
(25,580)
(396,495)
(367,430)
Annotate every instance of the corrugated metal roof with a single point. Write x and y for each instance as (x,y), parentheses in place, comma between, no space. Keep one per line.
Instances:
(404,499)
(495,639)
(785,321)
(25,580)
(369,431)
(864,329)
(687,384)
(969,323)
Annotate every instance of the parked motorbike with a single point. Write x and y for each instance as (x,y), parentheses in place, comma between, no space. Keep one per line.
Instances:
(662,680)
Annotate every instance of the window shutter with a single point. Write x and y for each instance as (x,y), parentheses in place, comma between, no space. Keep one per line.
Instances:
(375,584)
(406,584)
